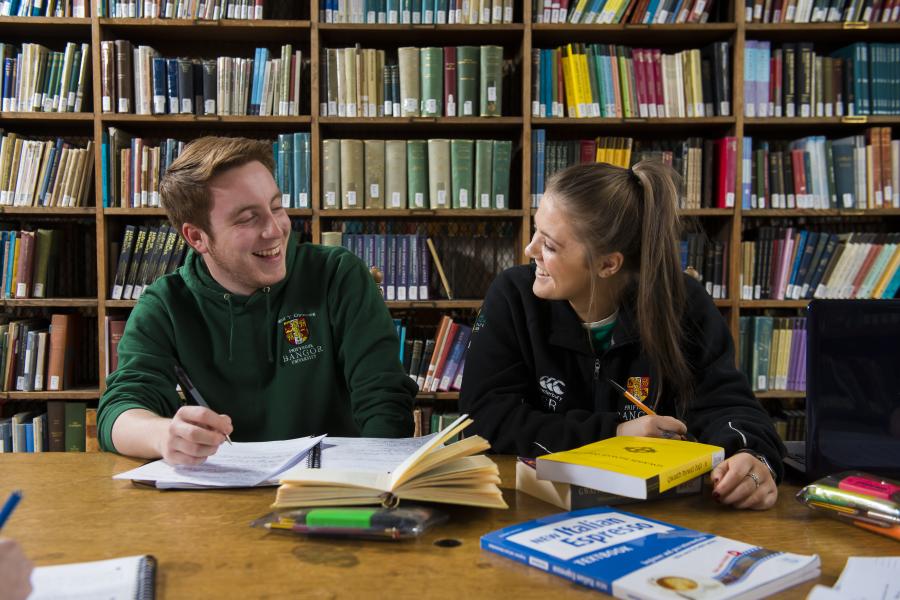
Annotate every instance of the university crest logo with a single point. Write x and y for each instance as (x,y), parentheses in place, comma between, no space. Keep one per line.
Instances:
(296,331)
(639,387)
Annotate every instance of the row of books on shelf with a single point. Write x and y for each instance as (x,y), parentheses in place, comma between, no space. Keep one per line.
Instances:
(47,263)
(136,79)
(181,9)
(427,174)
(587,12)
(36,355)
(793,80)
(146,253)
(64,427)
(790,424)
(611,81)
(436,363)
(453,81)
(773,352)
(44,8)
(798,264)
(45,172)
(37,79)
(707,167)
(417,12)
(426,421)
(821,11)
(855,172)
(709,259)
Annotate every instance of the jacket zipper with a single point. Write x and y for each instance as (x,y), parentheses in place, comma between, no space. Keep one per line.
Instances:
(595,380)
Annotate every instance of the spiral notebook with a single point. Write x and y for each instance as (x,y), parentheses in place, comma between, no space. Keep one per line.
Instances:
(127,578)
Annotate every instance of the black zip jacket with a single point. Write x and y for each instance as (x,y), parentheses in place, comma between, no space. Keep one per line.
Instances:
(532,380)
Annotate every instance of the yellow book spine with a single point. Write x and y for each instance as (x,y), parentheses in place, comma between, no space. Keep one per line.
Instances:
(569,83)
(588,100)
(674,477)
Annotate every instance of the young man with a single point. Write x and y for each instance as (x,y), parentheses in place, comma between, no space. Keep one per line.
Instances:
(282,339)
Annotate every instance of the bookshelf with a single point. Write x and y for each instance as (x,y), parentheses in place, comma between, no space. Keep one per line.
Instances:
(238,37)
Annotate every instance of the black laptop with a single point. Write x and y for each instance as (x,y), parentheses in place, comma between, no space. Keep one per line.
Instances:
(853,389)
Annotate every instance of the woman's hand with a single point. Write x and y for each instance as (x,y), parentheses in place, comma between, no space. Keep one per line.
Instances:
(743,481)
(653,426)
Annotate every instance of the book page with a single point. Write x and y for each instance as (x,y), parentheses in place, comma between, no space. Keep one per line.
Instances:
(246,464)
(869,577)
(115,579)
(376,455)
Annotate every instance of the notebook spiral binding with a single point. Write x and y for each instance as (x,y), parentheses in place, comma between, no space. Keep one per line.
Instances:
(146,588)
(314,457)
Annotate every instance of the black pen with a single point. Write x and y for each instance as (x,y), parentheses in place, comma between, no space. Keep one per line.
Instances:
(190,391)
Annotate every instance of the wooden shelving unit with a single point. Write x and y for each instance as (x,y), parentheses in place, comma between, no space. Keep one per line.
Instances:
(518,38)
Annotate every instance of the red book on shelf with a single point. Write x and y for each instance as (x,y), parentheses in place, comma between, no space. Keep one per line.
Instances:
(451,99)
(656,54)
(588,151)
(799,170)
(727,171)
(446,346)
(874,250)
(639,59)
(25,265)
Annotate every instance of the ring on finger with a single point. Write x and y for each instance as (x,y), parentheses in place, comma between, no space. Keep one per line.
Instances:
(754,477)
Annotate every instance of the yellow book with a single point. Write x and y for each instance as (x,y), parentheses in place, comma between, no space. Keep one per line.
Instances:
(570,82)
(636,467)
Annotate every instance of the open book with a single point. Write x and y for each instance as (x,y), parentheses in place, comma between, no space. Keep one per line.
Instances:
(432,473)
(242,464)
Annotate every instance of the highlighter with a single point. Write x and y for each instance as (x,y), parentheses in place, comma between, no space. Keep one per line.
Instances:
(870,486)
(357,522)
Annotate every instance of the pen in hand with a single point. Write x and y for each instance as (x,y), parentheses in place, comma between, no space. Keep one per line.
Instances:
(190,391)
(9,506)
(646,409)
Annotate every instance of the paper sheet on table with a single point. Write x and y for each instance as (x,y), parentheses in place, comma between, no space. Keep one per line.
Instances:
(114,579)
(242,464)
(864,578)
(376,455)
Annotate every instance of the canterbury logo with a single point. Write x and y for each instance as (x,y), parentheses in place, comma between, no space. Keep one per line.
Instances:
(553,385)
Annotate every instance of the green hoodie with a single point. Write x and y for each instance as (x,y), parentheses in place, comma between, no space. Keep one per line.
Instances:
(316,353)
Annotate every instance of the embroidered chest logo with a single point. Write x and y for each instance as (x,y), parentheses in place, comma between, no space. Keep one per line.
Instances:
(296,331)
(553,390)
(639,387)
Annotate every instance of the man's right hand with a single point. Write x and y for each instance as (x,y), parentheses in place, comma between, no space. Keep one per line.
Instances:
(15,571)
(194,434)
(653,426)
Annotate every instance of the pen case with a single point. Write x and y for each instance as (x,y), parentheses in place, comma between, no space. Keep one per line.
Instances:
(861,498)
(355,522)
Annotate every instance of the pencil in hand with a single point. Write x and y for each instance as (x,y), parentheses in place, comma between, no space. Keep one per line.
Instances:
(187,386)
(647,410)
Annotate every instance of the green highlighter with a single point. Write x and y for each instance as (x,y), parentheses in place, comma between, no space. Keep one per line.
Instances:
(356,522)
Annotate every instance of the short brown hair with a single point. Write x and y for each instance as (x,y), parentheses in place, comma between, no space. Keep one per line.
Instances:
(184,189)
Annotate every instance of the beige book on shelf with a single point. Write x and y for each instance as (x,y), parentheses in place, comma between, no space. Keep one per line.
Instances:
(374,164)
(154,176)
(352,173)
(14,173)
(439,173)
(61,174)
(79,177)
(362,87)
(440,268)
(379,78)
(352,94)
(408,60)
(42,172)
(332,238)
(332,83)
(341,80)
(331,173)
(372,80)
(697,81)
(72,167)
(6,147)
(456,473)
(395,174)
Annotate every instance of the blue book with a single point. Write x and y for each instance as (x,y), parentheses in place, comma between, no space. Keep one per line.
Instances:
(302,168)
(172,84)
(891,290)
(159,86)
(10,263)
(29,437)
(798,258)
(630,556)
(746,172)
(424,268)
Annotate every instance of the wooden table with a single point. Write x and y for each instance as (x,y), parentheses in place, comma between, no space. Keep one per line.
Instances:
(74,511)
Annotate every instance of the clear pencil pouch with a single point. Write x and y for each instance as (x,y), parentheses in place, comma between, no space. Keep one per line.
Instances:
(867,500)
(355,522)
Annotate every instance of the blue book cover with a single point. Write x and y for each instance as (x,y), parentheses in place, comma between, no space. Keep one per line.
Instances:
(424,268)
(414,271)
(172,81)
(746,172)
(29,437)
(630,556)
(891,290)
(159,86)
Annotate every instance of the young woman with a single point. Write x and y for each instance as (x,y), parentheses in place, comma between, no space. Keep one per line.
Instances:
(606,303)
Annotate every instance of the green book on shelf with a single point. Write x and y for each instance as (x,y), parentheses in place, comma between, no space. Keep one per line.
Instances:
(45,240)
(462,171)
(439,173)
(431,61)
(331,173)
(408,59)
(762,342)
(491,88)
(395,173)
(75,430)
(484,151)
(502,161)
(374,161)
(416,173)
(467,79)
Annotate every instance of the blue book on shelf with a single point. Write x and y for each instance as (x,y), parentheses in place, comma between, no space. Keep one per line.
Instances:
(891,290)
(630,556)
(29,437)
(172,84)
(746,172)
(10,263)
(798,258)
(159,86)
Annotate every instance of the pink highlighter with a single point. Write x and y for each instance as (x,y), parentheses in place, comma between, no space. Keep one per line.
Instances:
(877,488)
